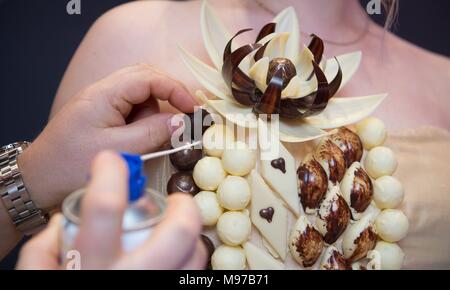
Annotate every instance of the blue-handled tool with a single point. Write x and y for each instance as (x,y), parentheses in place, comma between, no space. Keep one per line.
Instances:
(137,179)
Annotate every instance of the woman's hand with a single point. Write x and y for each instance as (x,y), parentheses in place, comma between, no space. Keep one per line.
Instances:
(174,243)
(119,112)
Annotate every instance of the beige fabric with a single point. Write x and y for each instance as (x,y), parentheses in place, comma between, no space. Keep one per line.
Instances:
(424,169)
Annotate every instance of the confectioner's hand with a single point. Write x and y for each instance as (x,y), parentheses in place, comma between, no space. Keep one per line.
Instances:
(174,244)
(119,112)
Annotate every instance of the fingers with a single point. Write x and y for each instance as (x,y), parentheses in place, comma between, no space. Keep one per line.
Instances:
(145,135)
(143,110)
(198,259)
(134,85)
(41,252)
(174,241)
(99,239)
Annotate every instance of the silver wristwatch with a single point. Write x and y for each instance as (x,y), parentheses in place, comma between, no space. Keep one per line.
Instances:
(25,215)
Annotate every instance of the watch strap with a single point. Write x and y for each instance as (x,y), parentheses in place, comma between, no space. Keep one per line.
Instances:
(15,197)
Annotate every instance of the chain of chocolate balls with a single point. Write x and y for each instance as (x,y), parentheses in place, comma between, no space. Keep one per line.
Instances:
(184,161)
(225,194)
(221,192)
(339,191)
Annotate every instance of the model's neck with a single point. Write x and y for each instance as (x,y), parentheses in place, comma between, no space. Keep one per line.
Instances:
(337,20)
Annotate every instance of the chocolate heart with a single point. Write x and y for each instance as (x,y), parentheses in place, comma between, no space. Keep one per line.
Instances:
(267,213)
(279,164)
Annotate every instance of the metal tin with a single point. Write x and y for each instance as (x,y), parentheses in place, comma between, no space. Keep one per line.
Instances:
(138,221)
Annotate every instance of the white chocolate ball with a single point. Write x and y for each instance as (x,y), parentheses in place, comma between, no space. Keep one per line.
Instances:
(208,173)
(216,138)
(239,160)
(228,258)
(387,192)
(372,132)
(233,228)
(234,193)
(392,256)
(210,210)
(380,161)
(392,225)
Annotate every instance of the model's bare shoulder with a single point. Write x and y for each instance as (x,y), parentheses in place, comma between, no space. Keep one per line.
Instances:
(141,31)
(428,65)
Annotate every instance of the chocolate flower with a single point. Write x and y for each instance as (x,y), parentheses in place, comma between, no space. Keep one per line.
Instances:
(274,76)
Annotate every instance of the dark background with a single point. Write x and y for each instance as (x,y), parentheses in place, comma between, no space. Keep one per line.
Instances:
(38,38)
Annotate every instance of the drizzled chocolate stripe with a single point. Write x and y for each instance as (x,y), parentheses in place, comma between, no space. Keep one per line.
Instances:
(231,72)
(266,30)
(310,105)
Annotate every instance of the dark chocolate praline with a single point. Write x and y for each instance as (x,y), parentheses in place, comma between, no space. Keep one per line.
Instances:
(186,159)
(200,115)
(209,249)
(182,182)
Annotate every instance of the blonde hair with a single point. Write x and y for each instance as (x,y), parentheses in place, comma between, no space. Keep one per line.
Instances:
(391,9)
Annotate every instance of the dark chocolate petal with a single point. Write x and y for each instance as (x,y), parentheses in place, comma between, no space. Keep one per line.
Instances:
(231,72)
(270,100)
(316,47)
(227,50)
(245,98)
(266,30)
(260,53)
(310,105)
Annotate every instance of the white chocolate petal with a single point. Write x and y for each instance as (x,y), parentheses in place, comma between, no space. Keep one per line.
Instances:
(277,46)
(349,65)
(249,60)
(344,111)
(258,259)
(208,77)
(287,21)
(296,131)
(293,88)
(303,65)
(258,72)
(263,197)
(235,113)
(215,36)
(304,88)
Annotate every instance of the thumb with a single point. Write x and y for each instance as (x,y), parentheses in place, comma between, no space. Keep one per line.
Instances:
(145,135)
(42,251)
